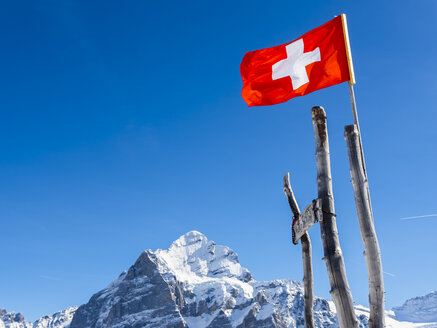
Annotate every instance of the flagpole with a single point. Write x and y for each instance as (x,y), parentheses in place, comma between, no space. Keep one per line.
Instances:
(363,203)
(351,83)
(356,122)
(354,105)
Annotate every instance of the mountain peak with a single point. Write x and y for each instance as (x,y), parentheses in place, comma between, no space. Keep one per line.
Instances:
(198,284)
(190,238)
(192,256)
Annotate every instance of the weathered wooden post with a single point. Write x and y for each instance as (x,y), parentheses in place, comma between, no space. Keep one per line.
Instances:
(306,256)
(365,219)
(333,256)
(308,284)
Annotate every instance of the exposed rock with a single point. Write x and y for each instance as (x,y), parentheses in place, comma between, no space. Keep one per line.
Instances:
(138,298)
(198,284)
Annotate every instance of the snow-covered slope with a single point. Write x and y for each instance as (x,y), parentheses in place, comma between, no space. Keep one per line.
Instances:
(391,321)
(61,319)
(418,309)
(194,284)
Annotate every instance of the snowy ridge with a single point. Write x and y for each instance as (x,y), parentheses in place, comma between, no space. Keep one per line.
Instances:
(61,319)
(212,272)
(198,284)
(418,309)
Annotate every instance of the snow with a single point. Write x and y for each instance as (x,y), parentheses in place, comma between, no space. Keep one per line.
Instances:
(213,285)
(237,316)
(423,308)
(61,319)
(213,272)
(391,322)
(265,312)
(201,321)
(214,276)
(193,255)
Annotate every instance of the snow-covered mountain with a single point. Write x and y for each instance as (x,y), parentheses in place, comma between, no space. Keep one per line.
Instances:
(196,283)
(193,284)
(61,319)
(418,309)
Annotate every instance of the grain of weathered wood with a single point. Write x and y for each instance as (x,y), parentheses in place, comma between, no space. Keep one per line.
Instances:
(290,196)
(333,256)
(368,234)
(306,257)
(308,284)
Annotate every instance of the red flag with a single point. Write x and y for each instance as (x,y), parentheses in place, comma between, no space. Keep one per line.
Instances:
(316,60)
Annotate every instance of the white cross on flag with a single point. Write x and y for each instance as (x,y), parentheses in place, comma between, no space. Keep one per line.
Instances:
(295,64)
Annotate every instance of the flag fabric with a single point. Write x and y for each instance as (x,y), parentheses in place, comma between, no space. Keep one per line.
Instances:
(316,60)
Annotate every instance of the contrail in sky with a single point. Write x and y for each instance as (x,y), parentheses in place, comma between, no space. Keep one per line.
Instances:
(418,217)
(385,272)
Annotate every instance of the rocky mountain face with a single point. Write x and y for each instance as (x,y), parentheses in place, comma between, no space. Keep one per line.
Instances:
(196,283)
(193,284)
(418,309)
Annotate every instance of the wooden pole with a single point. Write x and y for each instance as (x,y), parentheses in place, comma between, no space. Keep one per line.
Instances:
(306,257)
(307,280)
(362,201)
(290,197)
(357,123)
(365,219)
(333,256)
(351,83)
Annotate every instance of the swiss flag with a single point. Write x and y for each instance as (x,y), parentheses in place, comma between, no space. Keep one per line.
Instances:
(316,60)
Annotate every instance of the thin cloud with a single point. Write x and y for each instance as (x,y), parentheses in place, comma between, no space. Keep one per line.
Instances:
(418,217)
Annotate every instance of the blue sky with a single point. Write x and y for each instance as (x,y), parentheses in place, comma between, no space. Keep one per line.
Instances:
(122,127)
